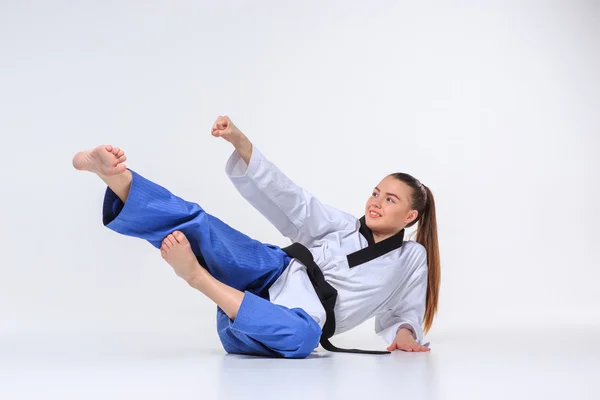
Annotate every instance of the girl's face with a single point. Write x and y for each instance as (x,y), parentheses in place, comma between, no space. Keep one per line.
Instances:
(389,210)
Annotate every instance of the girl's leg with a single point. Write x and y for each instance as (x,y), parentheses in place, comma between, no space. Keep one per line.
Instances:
(177,252)
(119,184)
(266,329)
(137,207)
(247,324)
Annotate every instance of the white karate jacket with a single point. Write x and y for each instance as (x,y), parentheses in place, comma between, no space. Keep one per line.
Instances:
(389,282)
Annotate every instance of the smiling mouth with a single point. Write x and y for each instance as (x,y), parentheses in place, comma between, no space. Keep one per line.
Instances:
(373,214)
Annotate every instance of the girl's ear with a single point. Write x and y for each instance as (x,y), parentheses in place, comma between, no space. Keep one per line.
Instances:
(412,216)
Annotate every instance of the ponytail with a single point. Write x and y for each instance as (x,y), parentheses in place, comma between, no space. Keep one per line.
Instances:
(422,201)
(427,236)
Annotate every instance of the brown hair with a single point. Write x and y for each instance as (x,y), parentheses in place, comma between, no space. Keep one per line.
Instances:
(422,201)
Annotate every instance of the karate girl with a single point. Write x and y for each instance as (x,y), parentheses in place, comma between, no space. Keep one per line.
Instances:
(266,302)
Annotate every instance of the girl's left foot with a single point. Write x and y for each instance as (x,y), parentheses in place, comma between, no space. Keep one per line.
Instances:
(177,252)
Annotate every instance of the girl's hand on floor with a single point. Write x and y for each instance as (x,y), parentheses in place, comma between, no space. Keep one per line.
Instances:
(404,341)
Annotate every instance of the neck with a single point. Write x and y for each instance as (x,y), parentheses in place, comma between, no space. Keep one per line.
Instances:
(379,237)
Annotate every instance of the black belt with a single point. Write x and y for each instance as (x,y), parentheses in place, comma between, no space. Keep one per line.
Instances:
(327,295)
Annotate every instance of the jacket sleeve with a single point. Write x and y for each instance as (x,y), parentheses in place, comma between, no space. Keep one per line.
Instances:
(296,213)
(409,310)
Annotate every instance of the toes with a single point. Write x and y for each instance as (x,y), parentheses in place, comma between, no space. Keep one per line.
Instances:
(121,153)
(167,242)
(119,169)
(180,237)
(176,238)
(171,241)
(163,252)
(121,159)
(115,150)
(108,147)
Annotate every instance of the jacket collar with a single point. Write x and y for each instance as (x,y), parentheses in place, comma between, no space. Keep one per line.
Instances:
(374,250)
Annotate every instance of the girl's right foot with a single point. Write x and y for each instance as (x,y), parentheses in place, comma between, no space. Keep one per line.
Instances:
(104,160)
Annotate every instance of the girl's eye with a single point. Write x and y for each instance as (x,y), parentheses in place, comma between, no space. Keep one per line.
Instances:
(374,194)
(389,198)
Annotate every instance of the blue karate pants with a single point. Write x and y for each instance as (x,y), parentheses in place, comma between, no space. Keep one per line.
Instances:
(151,212)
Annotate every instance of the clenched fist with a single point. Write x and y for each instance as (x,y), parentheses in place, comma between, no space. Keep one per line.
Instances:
(223,127)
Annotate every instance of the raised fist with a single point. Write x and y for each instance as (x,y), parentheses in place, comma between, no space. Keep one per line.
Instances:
(223,127)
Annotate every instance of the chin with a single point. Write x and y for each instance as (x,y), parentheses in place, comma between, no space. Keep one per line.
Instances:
(372,221)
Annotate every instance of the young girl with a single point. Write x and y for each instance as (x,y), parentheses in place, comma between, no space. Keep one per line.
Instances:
(282,302)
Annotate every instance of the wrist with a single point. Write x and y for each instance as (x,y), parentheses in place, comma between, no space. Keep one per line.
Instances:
(244,147)
(406,330)
(242,143)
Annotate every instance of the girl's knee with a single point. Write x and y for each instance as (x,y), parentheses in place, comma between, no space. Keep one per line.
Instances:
(305,340)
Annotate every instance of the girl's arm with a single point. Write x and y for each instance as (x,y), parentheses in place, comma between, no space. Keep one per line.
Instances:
(295,212)
(407,313)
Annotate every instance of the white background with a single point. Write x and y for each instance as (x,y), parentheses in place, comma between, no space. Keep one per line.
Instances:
(493,105)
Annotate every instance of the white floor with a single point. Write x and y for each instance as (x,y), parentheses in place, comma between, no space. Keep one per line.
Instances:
(553,364)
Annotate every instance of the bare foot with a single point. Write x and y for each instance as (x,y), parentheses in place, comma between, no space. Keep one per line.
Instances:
(104,160)
(176,251)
